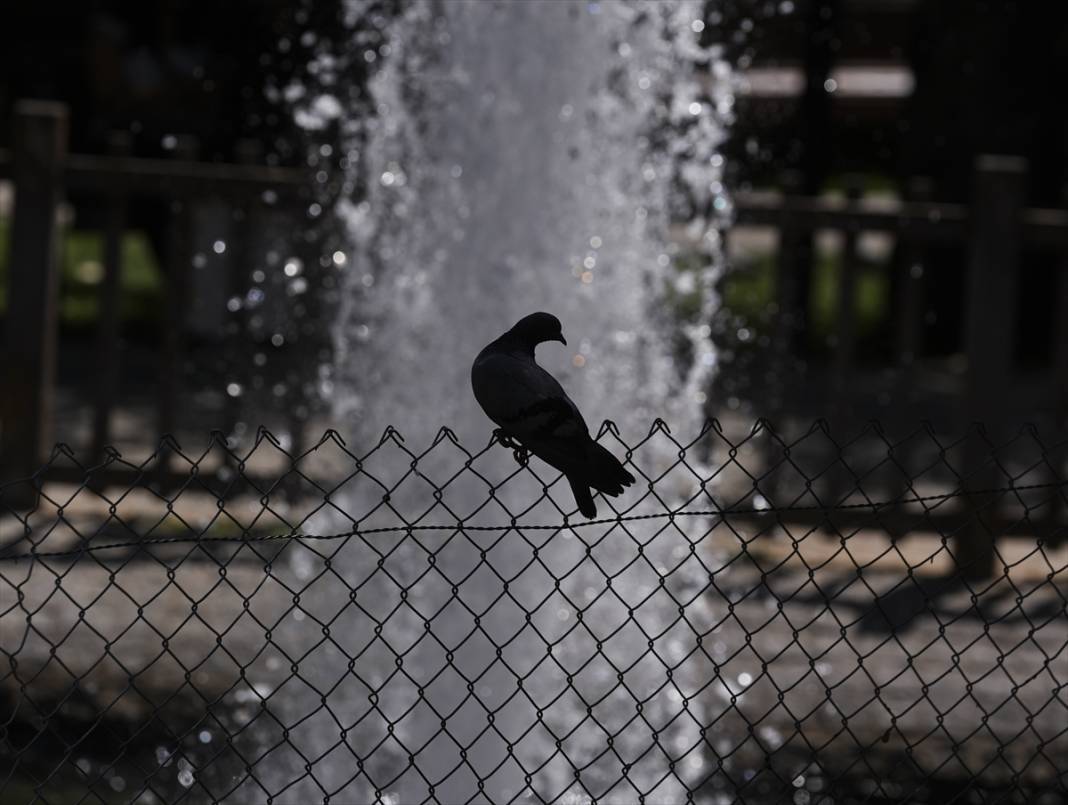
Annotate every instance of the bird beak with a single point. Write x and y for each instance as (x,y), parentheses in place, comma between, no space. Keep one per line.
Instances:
(563,340)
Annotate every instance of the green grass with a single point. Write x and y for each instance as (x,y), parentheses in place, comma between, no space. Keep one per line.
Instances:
(751,288)
(80,256)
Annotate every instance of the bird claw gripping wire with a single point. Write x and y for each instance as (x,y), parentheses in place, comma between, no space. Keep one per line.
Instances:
(521,454)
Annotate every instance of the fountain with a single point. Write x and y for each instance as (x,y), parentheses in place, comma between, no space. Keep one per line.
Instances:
(521,156)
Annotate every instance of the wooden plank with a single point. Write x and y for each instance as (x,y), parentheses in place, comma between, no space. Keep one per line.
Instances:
(1044,227)
(926,222)
(181,177)
(29,365)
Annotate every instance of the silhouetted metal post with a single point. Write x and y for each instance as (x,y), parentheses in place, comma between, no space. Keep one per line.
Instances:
(29,365)
(993,269)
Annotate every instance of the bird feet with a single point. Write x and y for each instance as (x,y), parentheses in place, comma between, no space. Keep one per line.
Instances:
(520,453)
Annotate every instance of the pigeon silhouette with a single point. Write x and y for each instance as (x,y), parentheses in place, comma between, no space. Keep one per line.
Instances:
(534,414)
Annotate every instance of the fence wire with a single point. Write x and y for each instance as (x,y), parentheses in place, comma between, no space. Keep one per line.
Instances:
(762,618)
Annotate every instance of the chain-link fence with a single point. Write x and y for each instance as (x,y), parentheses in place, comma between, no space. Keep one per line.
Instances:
(760,619)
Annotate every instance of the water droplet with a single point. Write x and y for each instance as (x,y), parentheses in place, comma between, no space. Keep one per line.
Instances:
(695,108)
(233,389)
(697,26)
(830,85)
(579,361)
(219,246)
(595,242)
(745,679)
(185,777)
(339,258)
(293,267)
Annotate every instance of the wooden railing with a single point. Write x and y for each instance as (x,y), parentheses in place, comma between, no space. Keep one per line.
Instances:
(994,229)
(43,173)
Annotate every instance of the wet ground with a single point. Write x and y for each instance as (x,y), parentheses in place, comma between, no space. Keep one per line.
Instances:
(839,672)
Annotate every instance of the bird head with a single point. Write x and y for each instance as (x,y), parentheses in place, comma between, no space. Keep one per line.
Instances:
(538,327)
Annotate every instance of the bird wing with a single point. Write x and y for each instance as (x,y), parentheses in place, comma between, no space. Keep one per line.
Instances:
(524,399)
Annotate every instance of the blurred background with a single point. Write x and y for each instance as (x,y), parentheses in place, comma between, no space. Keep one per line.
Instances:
(877,264)
(192,194)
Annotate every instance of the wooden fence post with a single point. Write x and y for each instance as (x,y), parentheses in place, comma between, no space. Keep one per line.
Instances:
(845,346)
(107,334)
(908,337)
(785,330)
(175,302)
(29,366)
(993,267)
(1059,509)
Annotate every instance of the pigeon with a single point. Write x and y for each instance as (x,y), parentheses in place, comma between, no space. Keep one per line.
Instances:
(534,414)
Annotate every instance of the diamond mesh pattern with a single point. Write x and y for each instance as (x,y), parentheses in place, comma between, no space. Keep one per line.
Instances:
(760,619)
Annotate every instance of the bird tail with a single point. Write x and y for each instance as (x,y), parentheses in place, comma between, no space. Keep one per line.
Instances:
(582,497)
(604,472)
